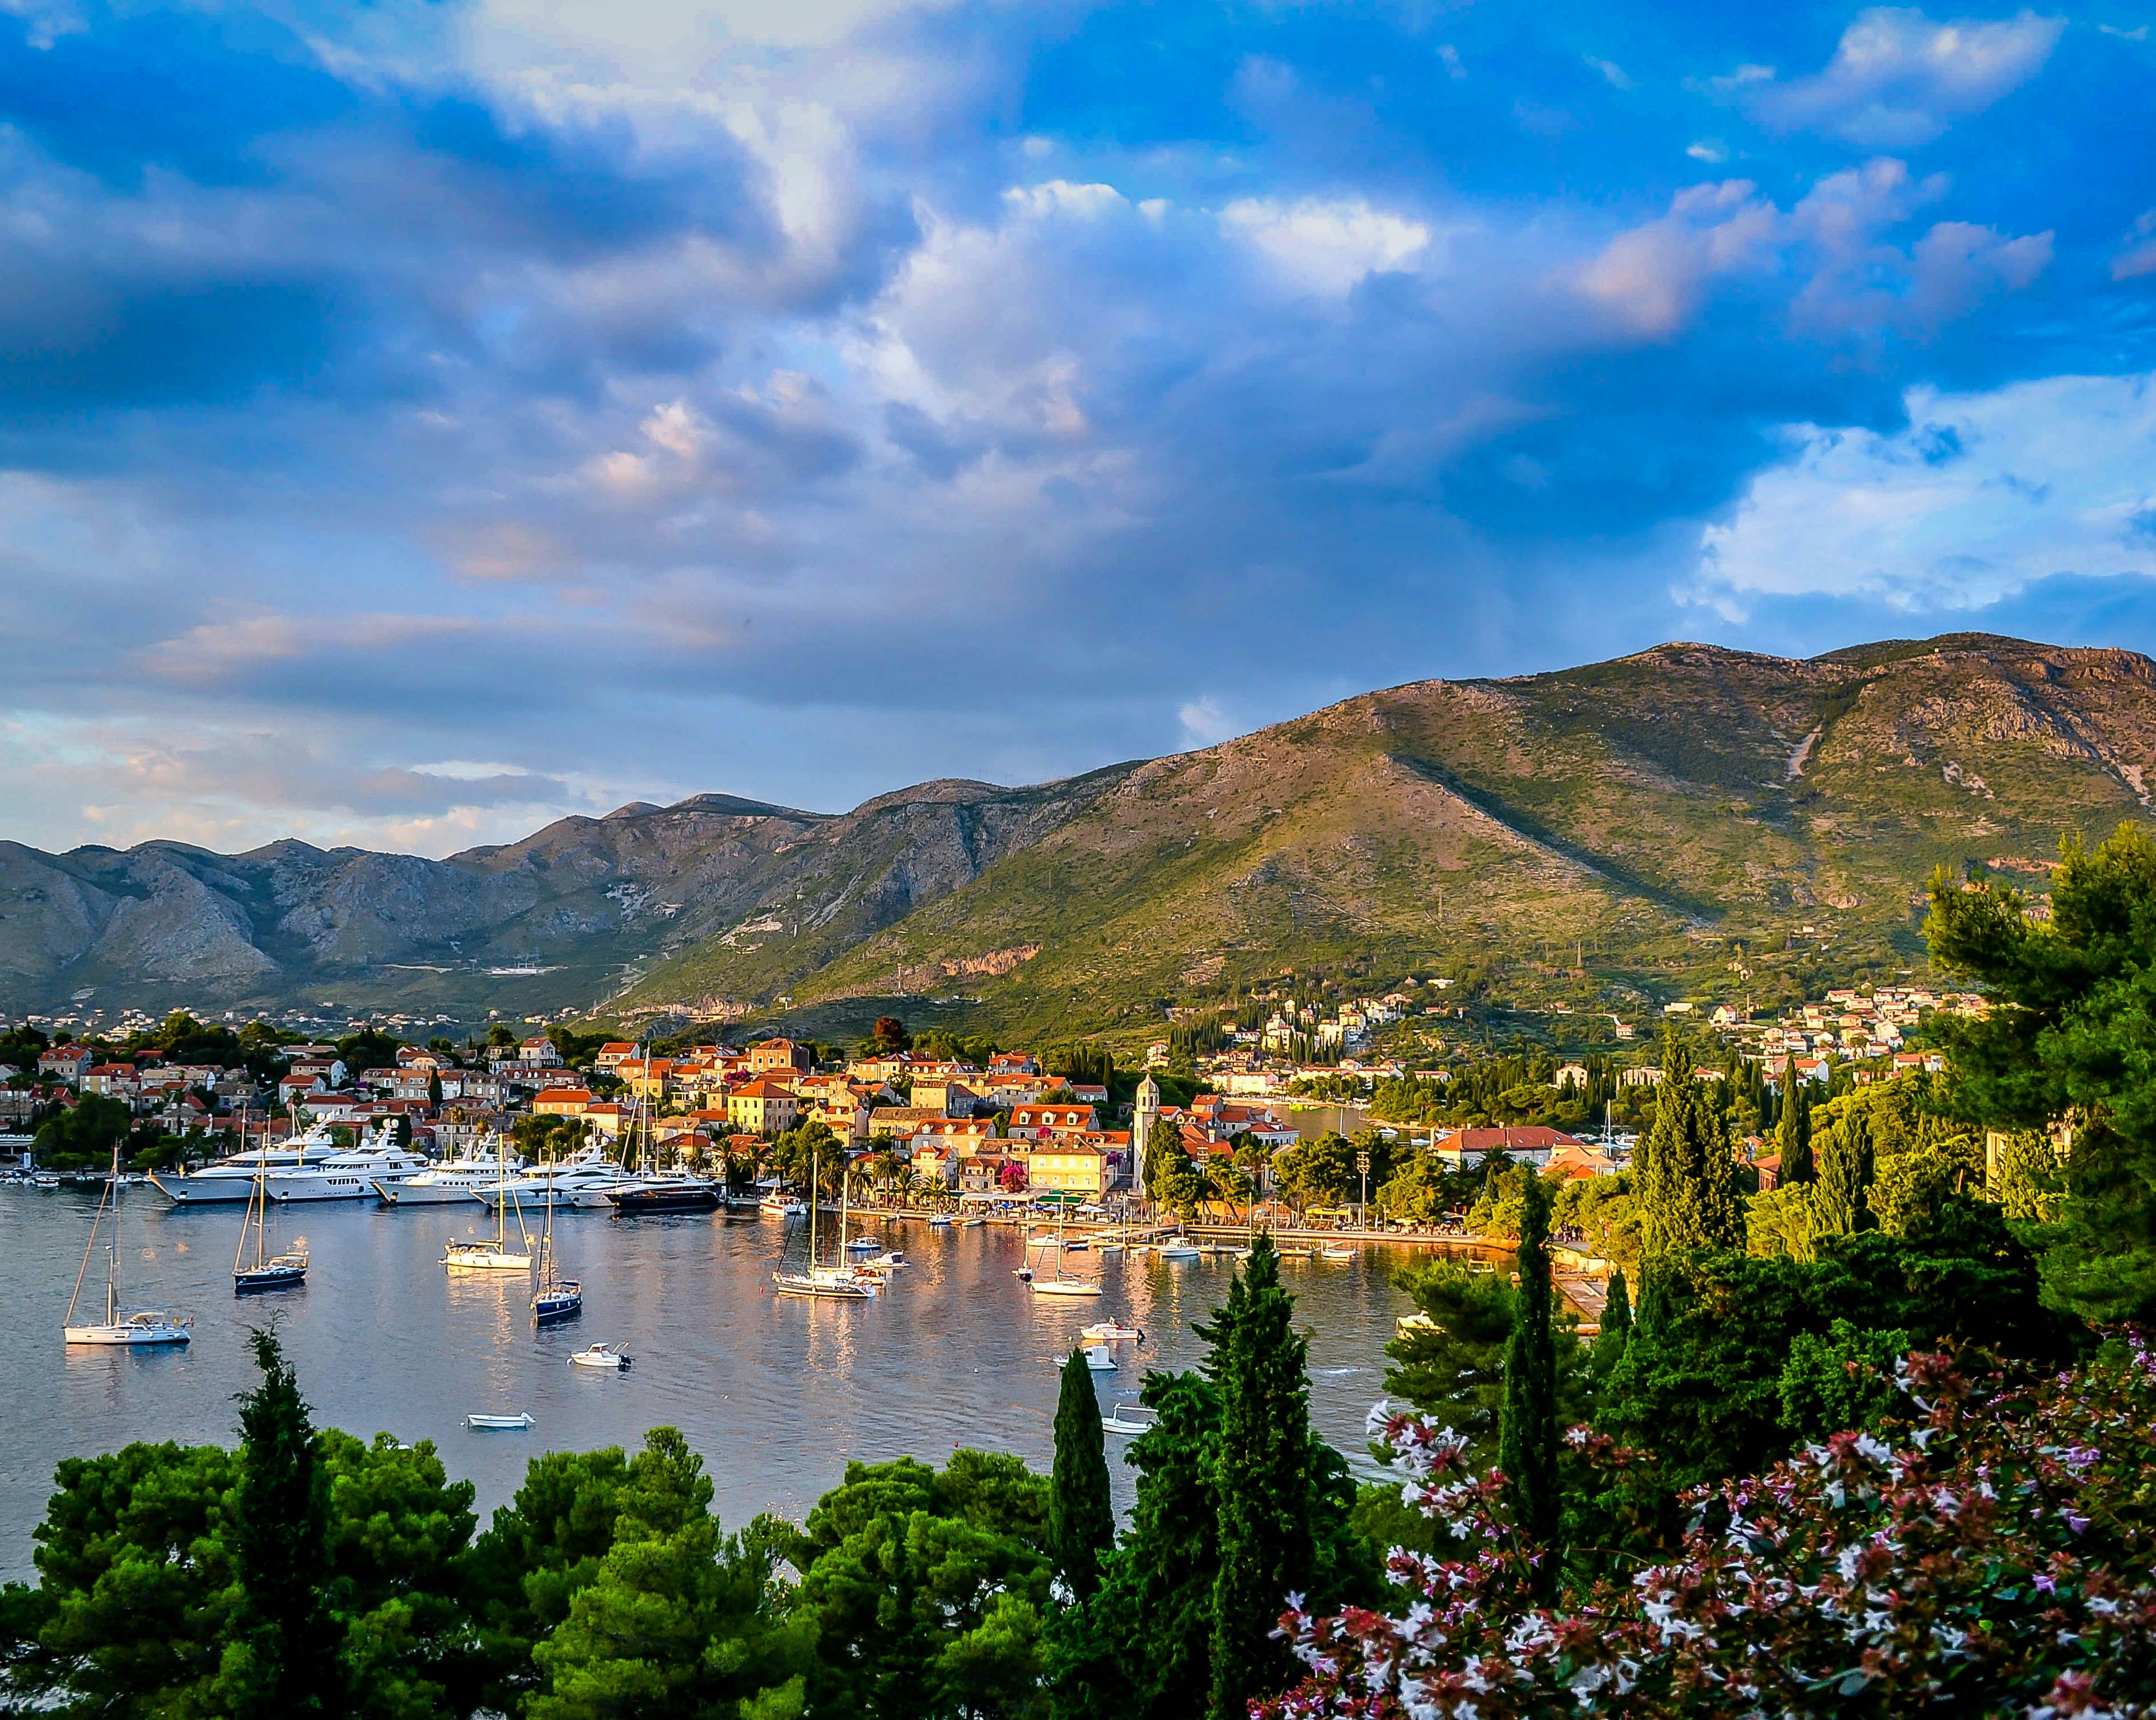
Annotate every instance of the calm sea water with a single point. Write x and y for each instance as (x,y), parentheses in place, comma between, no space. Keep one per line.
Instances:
(777,1394)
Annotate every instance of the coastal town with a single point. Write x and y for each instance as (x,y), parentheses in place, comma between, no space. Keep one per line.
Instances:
(1231,1087)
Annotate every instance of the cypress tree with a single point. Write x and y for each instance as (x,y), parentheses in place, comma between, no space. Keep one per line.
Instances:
(1616,1334)
(1686,1193)
(1081,1523)
(1156,1606)
(1526,1448)
(1268,1548)
(1793,1135)
(281,1553)
(1845,1172)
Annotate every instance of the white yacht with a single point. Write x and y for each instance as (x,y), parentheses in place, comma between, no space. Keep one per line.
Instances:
(451,1183)
(357,1174)
(587,1168)
(233,1179)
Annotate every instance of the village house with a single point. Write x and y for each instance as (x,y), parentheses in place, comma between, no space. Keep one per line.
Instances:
(763,1106)
(562,1101)
(612,1052)
(781,1056)
(1041,1121)
(1074,1165)
(64,1063)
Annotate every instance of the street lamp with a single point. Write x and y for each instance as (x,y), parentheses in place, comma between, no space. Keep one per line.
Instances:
(1363,1165)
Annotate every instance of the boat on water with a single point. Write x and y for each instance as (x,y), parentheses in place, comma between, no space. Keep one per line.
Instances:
(863,1244)
(139,1328)
(974,1223)
(891,1259)
(1336,1254)
(1062,1283)
(501,1423)
(588,1167)
(1128,1417)
(43,1180)
(1112,1331)
(1178,1251)
(493,1254)
(939,1221)
(781,1206)
(556,1298)
(232,1179)
(674,1191)
(838,1281)
(601,1355)
(1098,1358)
(284,1271)
(355,1174)
(452,1182)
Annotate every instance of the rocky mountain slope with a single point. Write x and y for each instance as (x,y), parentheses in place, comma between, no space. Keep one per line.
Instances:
(1688,821)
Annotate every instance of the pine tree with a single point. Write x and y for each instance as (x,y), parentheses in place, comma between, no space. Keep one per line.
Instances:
(1526,1449)
(1794,1136)
(1268,1548)
(1082,1522)
(281,1553)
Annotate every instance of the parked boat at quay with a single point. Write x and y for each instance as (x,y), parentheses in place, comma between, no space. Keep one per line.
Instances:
(233,1179)
(357,1174)
(452,1182)
(838,1281)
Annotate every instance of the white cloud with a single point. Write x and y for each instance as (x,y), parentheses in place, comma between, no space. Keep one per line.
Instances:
(1613,74)
(1897,78)
(1325,246)
(1204,723)
(1980,496)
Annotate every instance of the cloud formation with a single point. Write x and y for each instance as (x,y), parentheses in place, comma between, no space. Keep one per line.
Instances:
(800,400)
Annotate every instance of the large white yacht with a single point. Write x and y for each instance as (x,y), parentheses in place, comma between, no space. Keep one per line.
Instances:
(357,1174)
(587,1168)
(233,1179)
(474,1176)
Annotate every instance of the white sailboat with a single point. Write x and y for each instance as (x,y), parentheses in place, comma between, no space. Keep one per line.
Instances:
(834,1283)
(141,1326)
(495,1255)
(278,1272)
(1063,1284)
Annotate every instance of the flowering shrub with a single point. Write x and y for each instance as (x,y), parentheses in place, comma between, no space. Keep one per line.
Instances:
(1994,1554)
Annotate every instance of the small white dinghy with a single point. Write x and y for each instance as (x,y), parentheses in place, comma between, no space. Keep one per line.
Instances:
(1098,1359)
(500,1423)
(1336,1254)
(1129,1417)
(1112,1331)
(1178,1251)
(599,1355)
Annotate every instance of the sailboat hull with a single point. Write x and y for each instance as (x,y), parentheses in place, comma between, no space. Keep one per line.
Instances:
(631,1201)
(129,1336)
(1065,1286)
(487,1259)
(250,1279)
(549,1309)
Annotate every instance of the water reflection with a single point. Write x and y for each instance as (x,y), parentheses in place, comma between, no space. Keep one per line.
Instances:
(778,1393)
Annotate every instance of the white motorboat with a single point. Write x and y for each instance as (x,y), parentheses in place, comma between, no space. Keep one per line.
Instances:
(451,1183)
(939,1221)
(1336,1254)
(863,1244)
(782,1206)
(890,1260)
(1178,1251)
(501,1423)
(588,1167)
(357,1174)
(1098,1358)
(973,1223)
(493,1254)
(233,1179)
(600,1355)
(1130,1418)
(1112,1331)
(142,1327)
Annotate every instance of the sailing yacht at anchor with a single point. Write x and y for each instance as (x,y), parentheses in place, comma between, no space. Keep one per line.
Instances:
(836,1283)
(556,1298)
(277,1272)
(494,1256)
(142,1327)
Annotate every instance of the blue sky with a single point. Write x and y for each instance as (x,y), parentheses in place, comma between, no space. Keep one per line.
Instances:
(418,421)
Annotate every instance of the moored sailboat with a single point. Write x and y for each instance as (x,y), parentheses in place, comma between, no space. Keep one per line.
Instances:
(142,1327)
(284,1271)
(493,1254)
(556,1298)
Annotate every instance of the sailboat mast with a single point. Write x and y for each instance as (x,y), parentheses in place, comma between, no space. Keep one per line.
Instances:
(112,1249)
(815,1201)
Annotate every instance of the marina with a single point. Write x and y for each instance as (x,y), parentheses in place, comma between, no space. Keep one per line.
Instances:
(777,1392)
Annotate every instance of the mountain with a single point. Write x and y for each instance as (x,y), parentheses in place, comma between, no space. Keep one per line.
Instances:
(1687,822)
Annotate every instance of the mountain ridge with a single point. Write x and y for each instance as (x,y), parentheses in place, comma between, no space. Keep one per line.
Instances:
(1670,816)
